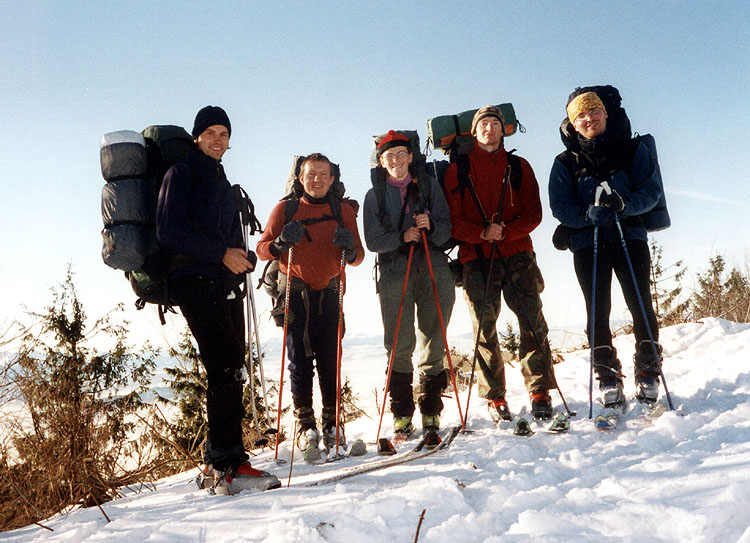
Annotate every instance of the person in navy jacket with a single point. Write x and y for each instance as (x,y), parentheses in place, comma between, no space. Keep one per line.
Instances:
(599,148)
(197,218)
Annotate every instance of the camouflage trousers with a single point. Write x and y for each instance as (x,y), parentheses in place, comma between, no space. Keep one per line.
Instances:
(520,282)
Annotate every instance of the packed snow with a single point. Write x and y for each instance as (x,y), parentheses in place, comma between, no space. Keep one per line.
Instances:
(684,476)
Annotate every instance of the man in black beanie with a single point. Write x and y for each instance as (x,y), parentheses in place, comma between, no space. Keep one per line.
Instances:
(197,218)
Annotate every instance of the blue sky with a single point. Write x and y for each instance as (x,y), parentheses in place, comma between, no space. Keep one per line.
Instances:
(312,76)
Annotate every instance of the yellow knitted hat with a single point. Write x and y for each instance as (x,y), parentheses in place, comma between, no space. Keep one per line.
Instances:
(583,103)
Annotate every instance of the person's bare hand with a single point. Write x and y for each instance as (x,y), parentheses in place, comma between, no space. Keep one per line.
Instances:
(411,235)
(236,261)
(422,220)
(494,232)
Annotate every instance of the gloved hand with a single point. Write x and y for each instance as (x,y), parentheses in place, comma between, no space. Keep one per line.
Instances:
(612,201)
(345,239)
(599,215)
(292,233)
(252,258)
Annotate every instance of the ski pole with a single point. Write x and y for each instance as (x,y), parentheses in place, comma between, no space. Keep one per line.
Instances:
(442,324)
(395,338)
(592,320)
(259,442)
(643,309)
(526,315)
(283,349)
(260,360)
(479,326)
(291,459)
(251,223)
(487,223)
(339,338)
(592,316)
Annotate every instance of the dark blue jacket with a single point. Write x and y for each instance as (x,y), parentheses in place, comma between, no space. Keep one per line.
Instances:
(570,197)
(197,217)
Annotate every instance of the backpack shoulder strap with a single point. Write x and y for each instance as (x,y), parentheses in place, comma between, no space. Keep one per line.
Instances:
(290,207)
(516,171)
(464,182)
(246,209)
(335,204)
(570,161)
(425,190)
(462,165)
(377,176)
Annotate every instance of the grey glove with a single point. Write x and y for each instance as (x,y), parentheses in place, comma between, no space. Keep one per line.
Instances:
(292,233)
(345,239)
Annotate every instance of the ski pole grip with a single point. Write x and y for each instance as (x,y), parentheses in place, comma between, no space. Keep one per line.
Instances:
(598,194)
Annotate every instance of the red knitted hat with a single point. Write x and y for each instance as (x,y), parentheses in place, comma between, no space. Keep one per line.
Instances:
(392,139)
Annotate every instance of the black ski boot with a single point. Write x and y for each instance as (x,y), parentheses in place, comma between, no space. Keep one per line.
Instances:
(429,392)
(647,361)
(499,411)
(541,405)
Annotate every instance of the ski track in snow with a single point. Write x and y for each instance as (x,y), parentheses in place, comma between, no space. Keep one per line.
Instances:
(682,477)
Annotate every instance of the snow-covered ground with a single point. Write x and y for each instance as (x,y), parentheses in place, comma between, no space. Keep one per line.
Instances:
(684,477)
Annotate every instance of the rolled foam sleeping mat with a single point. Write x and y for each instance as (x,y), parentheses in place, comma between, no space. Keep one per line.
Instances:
(123,246)
(442,130)
(123,154)
(125,201)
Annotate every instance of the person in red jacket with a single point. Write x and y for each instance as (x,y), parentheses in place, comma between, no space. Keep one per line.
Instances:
(318,238)
(492,215)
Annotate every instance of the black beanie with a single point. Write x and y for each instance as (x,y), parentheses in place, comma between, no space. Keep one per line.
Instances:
(209,116)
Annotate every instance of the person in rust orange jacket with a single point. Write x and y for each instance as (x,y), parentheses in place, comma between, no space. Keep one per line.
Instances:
(492,205)
(320,231)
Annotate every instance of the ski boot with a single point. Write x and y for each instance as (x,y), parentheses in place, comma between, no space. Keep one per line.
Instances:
(612,394)
(499,411)
(243,477)
(647,360)
(329,437)
(308,440)
(403,427)
(205,478)
(430,422)
(607,367)
(541,405)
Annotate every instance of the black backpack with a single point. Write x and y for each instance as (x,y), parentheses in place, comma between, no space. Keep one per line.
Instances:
(134,165)
(417,169)
(618,125)
(271,279)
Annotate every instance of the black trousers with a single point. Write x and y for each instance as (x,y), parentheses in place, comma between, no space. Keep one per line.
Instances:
(218,326)
(611,258)
(311,344)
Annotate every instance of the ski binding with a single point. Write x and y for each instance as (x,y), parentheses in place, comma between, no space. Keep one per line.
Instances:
(561,423)
(523,428)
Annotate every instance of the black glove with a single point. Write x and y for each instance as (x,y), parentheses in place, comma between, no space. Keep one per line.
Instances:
(252,258)
(612,201)
(599,215)
(345,239)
